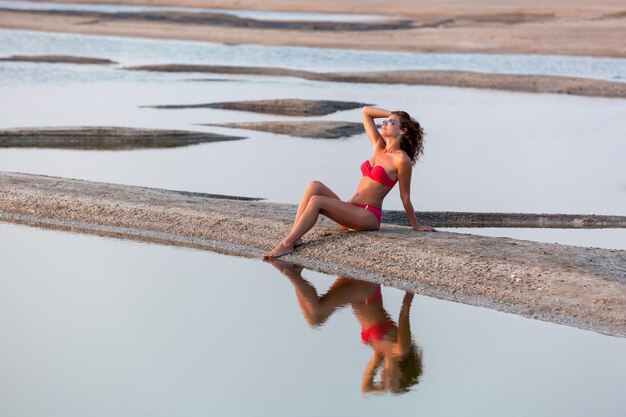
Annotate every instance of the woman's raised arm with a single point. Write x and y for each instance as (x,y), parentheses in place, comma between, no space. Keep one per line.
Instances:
(369,114)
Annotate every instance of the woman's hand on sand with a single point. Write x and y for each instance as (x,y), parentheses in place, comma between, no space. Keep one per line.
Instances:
(421,228)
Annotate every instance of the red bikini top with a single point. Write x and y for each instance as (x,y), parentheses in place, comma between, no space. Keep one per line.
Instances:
(377,173)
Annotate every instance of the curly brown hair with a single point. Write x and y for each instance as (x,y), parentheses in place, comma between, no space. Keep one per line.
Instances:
(413,140)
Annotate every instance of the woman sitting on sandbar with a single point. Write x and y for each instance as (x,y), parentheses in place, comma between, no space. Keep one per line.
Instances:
(396,148)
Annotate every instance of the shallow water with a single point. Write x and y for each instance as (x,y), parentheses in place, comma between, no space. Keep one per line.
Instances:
(137,51)
(105,327)
(251,14)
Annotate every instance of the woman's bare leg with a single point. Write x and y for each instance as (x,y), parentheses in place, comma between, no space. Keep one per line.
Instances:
(312,188)
(345,214)
(317,309)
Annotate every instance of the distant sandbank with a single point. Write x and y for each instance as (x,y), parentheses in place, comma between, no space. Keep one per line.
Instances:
(570,27)
(283,107)
(304,129)
(464,79)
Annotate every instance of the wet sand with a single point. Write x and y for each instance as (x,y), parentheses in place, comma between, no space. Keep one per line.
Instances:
(463,79)
(581,287)
(571,27)
(104,138)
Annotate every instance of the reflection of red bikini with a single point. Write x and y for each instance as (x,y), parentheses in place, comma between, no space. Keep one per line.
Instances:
(378,295)
(378,330)
(379,175)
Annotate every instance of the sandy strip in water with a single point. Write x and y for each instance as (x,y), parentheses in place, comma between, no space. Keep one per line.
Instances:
(302,129)
(564,27)
(284,107)
(464,79)
(104,138)
(581,287)
(58,59)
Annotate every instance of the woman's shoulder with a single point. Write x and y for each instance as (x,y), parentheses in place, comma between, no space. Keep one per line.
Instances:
(401,159)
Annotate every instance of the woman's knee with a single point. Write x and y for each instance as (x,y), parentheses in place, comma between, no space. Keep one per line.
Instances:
(315,201)
(318,202)
(315,186)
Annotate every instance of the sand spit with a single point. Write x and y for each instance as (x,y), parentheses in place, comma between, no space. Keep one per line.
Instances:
(390,22)
(581,287)
(302,129)
(283,107)
(103,138)
(509,220)
(228,69)
(57,59)
(221,20)
(464,79)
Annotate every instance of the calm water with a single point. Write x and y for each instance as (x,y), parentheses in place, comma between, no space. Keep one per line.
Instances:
(104,327)
(135,51)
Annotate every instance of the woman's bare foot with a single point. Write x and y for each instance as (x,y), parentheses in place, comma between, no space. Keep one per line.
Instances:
(280,250)
(298,242)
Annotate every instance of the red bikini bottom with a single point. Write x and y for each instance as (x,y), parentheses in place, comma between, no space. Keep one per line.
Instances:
(374,210)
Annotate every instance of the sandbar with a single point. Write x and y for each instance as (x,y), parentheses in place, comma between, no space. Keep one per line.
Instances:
(222,20)
(58,59)
(284,107)
(464,79)
(581,287)
(305,129)
(104,138)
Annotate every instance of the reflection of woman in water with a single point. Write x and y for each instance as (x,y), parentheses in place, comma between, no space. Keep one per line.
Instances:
(393,349)
(396,148)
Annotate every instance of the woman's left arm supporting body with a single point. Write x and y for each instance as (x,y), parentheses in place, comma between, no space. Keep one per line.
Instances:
(405,169)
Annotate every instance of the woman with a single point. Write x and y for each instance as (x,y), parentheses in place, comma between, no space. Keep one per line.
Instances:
(396,148)
(394,353)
